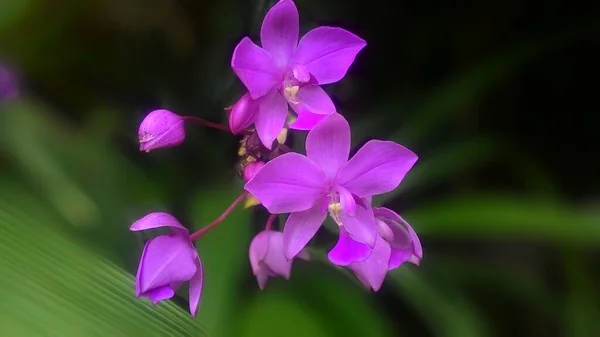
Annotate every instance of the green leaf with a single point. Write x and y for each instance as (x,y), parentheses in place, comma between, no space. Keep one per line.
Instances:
(508,216)
(463,91)
(445,162)
(447,314)
(280,314)
(53,285)
(89,183)
(224,253)
(581,312)
(529,290)
(316,301)
(11,11)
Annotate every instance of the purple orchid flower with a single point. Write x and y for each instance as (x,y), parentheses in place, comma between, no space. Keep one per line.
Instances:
(396,244)
(161,129)
(267,258)
(286,70)
(308,186)
(404,242)
(167,262)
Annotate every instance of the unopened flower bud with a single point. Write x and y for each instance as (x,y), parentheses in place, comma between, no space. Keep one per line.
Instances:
(252,168)
(161,129)
(242,114)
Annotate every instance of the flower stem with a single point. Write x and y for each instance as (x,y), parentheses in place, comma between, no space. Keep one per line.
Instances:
(203,122)
(270,220)
(285,148)
(197,234)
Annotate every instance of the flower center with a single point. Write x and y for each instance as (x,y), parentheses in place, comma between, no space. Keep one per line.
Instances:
(296,77)
(335,208)
(290,93)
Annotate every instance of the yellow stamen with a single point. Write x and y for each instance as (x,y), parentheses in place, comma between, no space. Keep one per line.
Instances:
(290,93)
(282,136)
(251,201)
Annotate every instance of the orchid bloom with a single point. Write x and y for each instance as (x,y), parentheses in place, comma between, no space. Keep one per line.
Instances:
(396,244)
(267,258)
(168,261)
(325,180)
(287,71)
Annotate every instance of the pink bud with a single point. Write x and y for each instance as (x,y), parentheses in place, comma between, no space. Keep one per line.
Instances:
(242,114)
(161,129)
(251,169)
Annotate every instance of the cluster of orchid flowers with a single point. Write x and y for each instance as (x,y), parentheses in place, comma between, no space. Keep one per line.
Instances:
(284,73)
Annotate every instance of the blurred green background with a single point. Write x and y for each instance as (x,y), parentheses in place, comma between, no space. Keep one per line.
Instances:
(493,96)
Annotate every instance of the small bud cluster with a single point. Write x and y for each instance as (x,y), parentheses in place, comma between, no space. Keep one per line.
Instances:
(283,77)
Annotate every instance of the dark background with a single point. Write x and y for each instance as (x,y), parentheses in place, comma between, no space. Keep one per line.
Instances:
(497,98)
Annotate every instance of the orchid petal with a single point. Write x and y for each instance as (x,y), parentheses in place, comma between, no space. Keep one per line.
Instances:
(196,285)
(306,120)
(328,52)
(398,257)
(272,112)
(299,228)
(378,167)
(256,68)
(347,201)
(313,99)
(258,250)
(300,73)
(262,277)
(279,32)
(383,229)
(288,183)
(404,235)
(160,294)
(414,260)
(275,258)
(347,250)
(362,226)
(373,269)
(157,220)
(328,144)
(166,259)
